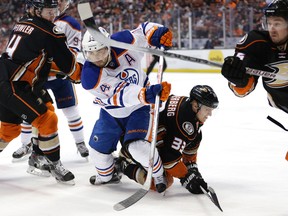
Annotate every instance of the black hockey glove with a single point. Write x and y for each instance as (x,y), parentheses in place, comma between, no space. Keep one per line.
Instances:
(64,76)
(193,180)
(4,56)
(234,71)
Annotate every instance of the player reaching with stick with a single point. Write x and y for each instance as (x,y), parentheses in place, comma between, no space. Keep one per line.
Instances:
(178,140)
(123,91)
(264,50)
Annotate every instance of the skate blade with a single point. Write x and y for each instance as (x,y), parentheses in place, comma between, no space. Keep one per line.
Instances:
(34,171)
(70,183)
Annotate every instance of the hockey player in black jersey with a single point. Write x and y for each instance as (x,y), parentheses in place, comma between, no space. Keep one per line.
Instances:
(179,138)
(264,50)
(33,44)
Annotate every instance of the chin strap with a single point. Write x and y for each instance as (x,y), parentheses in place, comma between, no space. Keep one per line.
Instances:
(283,46)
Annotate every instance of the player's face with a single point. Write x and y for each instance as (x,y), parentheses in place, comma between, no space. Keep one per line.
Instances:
(99,57)
(62,4)
(204,112)
(278,29)
(49,13)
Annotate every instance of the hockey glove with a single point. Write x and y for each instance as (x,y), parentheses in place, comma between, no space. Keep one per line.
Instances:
(64,77)
(148,95)
(193,180)
(234,71)
(160,36)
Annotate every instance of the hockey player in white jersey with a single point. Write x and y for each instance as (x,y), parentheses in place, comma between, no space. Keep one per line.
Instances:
(123,91)
(63,90)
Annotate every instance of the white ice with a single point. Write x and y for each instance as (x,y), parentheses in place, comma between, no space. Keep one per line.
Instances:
(242,156)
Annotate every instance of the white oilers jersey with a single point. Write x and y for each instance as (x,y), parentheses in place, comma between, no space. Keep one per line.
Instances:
(116,87)
(72,29)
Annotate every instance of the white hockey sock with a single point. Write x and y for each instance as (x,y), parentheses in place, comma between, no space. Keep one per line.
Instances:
(75,123)
(140,151)
(104,164)
(26,133)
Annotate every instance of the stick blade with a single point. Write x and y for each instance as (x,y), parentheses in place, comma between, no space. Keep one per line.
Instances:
(212,196)
(130,200)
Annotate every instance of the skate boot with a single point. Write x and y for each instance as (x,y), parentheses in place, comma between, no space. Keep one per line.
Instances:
(160,183)
(38,165)
(96,180)
(61,174)
(22,153)
(82,149)
(120,164)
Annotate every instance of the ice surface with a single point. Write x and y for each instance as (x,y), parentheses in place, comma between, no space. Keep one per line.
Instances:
(241,157)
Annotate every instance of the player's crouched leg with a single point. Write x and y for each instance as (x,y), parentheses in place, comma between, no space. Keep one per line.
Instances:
(105,167)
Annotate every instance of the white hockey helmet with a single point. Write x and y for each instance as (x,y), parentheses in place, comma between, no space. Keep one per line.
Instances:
(90,44)
(63,5)
(93,49)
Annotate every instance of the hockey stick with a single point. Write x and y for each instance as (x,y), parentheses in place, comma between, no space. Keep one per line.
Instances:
(212,196)
(146,187)
(88,19)
(86,16)
(276,122)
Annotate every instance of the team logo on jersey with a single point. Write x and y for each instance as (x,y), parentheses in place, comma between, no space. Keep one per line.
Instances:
(188,128)
(129,75)
(56,30)
(243,39)
(280,68)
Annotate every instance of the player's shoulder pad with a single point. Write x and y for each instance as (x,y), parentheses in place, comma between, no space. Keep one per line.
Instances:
(122,36)
(90,75)
(70,21)
(253,38)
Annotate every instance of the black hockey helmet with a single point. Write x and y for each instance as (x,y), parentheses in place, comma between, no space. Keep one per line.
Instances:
(205,95)
(39,4)
(277,8)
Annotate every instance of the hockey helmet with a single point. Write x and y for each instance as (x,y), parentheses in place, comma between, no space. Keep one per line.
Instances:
(63,6)
(42,3)
(277,8)
(90,46)
(204,95)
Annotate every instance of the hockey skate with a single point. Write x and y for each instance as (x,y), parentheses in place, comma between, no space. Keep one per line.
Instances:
(38,165)
(120,164)
(96,180)
(22,153)
(82,149)
(160,183)
(61,174)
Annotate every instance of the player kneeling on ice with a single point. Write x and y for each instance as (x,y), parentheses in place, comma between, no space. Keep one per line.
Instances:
(123,92)
(178,139)
(263,50)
